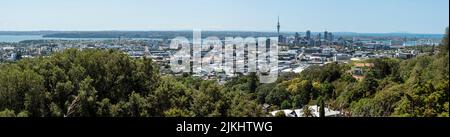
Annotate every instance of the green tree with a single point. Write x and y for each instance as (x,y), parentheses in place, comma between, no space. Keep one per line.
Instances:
(280,114)
(103,109)
(305,92)
(322,108)
(170,93)
(307,112)
(86,99)
(252,82)
(7,113)
(243,106)
(138,106)
(277,95)
(286,104)
(203,105)
(176,112)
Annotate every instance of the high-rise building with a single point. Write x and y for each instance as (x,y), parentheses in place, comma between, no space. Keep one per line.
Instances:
(308,35)
(319,41)
(297,38)
(330,37)
(325,35)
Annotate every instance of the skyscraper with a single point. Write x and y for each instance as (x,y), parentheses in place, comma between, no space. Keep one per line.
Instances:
(319,37)
(330,37)
(308,35)
(325,36)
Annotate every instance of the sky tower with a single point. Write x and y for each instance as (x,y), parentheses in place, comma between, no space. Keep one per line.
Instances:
(278,26)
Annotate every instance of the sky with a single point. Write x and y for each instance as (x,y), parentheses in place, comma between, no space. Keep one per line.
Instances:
(364,16)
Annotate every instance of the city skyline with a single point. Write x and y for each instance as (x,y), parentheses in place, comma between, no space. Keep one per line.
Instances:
(384,16)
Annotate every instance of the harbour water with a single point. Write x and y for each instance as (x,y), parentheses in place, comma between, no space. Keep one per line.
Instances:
(18,38)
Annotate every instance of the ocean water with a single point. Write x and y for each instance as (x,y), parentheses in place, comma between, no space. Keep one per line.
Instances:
(18,38)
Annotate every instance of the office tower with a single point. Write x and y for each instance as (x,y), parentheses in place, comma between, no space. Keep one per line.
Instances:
(330,37)
(308,35)
(319,39)
(325,35)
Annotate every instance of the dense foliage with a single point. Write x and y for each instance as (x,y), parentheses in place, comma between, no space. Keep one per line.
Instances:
(109,83)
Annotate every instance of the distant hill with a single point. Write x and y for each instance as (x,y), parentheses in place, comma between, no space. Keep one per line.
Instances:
(27,32)
(173,34)
(407,35)
(156,34)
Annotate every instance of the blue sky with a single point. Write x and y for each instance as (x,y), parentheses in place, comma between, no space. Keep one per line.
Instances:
(377,16)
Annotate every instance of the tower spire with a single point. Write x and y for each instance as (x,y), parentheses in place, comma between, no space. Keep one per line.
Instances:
(278,26)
